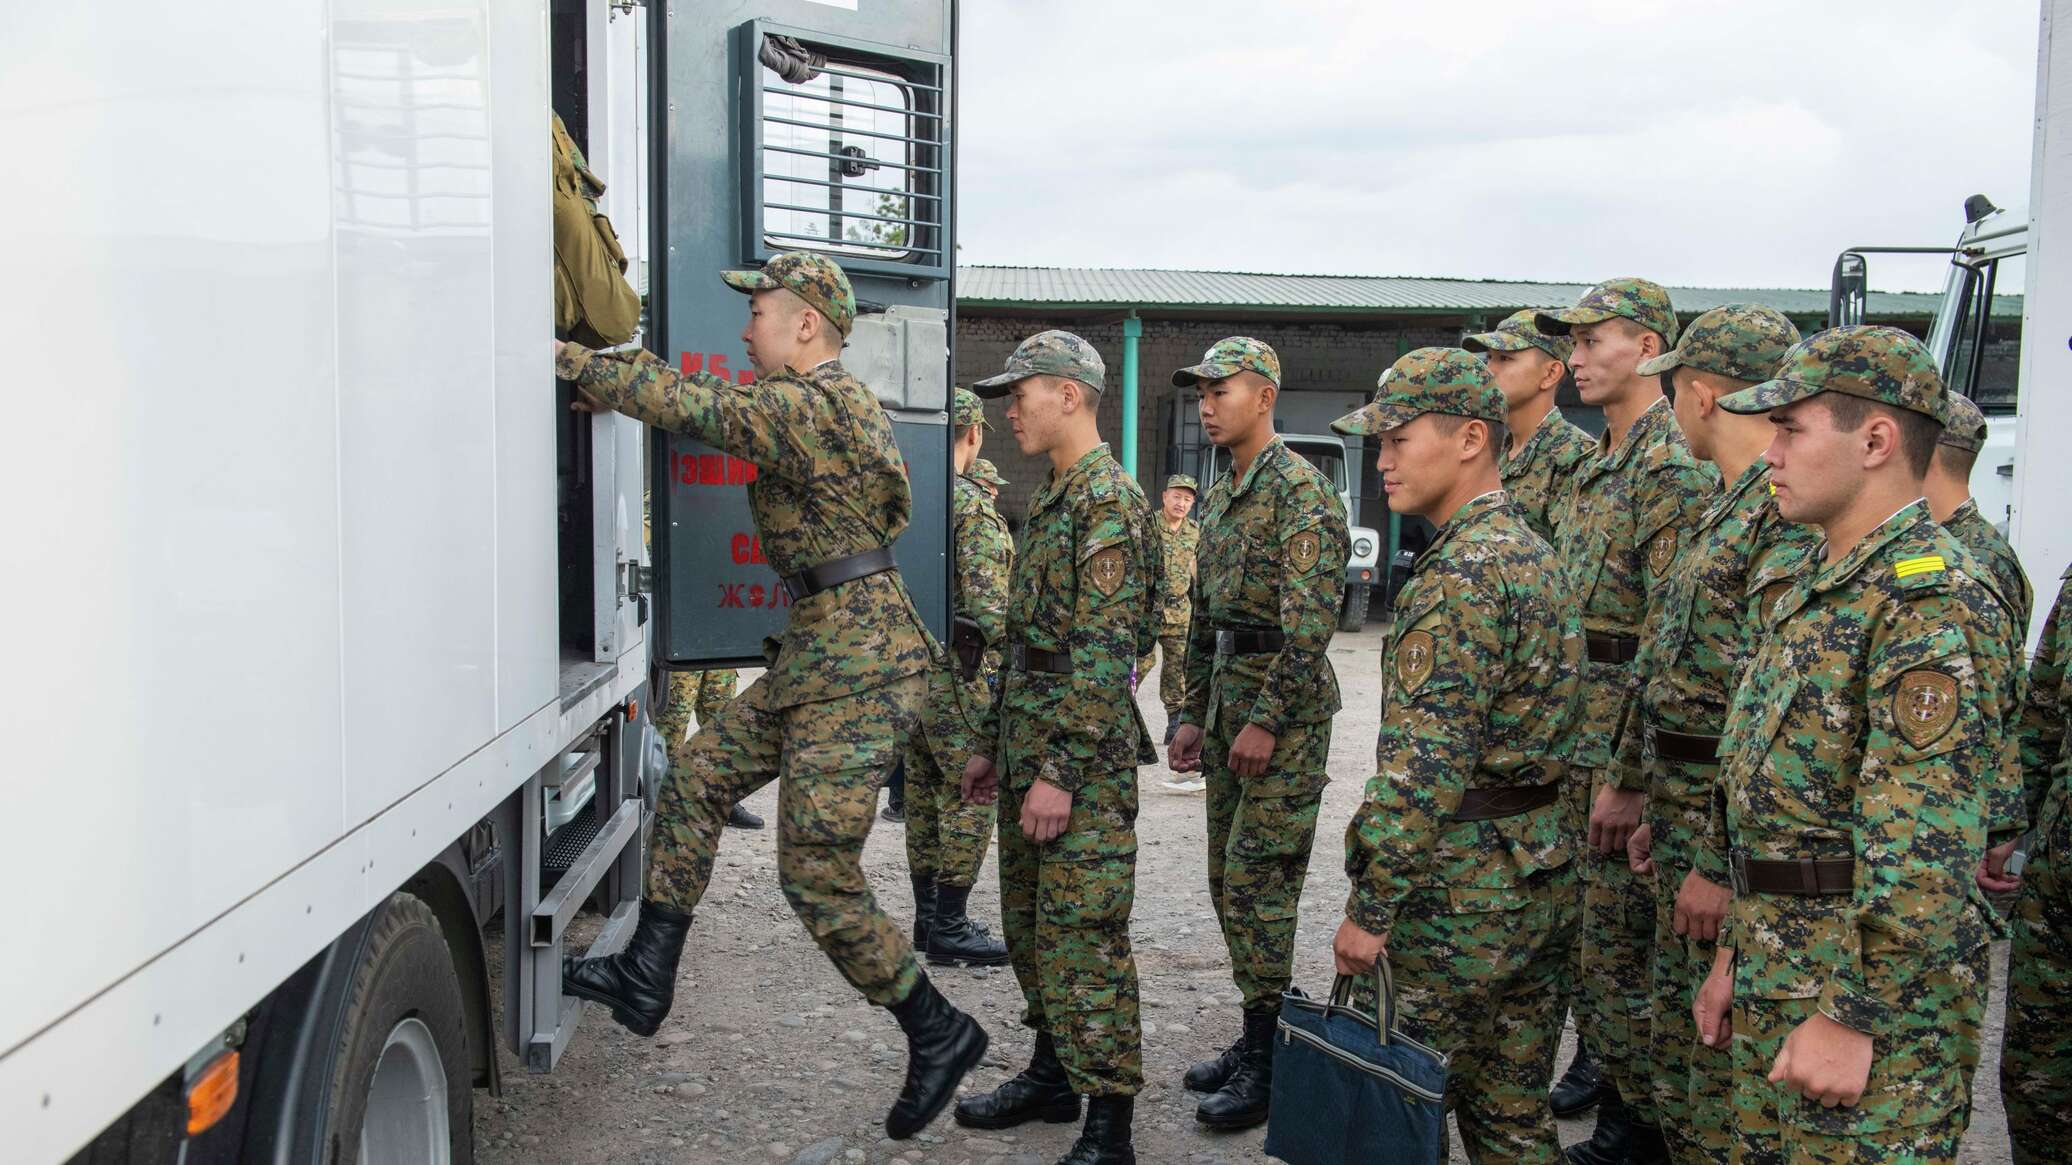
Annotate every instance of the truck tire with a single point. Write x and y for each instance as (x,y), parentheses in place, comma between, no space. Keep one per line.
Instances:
(1353,615)
(401,1092)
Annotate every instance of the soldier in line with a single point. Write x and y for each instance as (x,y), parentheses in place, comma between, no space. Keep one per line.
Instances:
(987,478)
(2036,1052)
(1949,499)
(1546,447)
(1859,760)
(1630,512)
(1460,856)
(1260,696)
(1066,739)
(1177,538)
(1539,470)
(1695,645)
(946,835)
(846,679)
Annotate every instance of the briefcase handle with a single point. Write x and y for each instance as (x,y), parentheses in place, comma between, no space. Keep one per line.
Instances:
(1384,1019)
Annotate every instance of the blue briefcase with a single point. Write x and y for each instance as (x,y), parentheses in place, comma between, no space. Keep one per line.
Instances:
(1348,1089)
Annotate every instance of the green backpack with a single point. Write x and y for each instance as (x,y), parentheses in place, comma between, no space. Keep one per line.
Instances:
(593,303)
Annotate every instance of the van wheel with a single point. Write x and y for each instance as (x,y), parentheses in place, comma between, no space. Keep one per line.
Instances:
(1353,615)
(400,1090)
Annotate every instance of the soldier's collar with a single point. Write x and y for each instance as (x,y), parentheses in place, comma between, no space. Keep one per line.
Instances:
(1474,510)
(1904,519)
(1968,510)
(1055,488)
(1645,428)
(1729,499)
(1274,445)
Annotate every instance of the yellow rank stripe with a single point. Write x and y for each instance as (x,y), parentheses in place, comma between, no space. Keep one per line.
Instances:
(1908,567)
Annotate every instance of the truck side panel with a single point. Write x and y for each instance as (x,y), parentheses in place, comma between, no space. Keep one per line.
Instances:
(2043,475)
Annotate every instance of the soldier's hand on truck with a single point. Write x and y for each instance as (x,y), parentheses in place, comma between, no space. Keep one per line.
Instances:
(981,781)
(1184,754)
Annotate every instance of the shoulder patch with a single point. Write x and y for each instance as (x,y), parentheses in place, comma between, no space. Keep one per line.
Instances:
(1924,706)
(1107,569)
(1415,655)
(1661,550)
(1925,564)
(1303,549)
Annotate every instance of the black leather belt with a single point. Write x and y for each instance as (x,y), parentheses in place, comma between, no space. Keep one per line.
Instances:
(1805,877)
(836,571)
(1512,801)
(1022,657)
(1600,648)
(968,644)
(1688,748)
(1241,641)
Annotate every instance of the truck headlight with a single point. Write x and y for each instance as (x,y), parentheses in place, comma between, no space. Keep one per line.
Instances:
(1363,547)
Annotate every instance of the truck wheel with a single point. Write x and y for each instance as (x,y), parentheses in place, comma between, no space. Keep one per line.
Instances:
(1353,615)
(400,1091)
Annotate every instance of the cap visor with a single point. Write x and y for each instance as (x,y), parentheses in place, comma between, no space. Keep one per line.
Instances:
(1557,323)
(1770,394)
(1495,342)
(1656,365)
(749,280)
(995,387)
(1375,418)
(1189,377)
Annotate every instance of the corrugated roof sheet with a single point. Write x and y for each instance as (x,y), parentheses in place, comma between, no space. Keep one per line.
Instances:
(1144,287)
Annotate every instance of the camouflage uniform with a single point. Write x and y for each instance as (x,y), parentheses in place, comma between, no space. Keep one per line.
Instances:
(1540,467)
(1480,682)
(1964,427)
(1084,588)
(1272,559)
(1867,730)
(983,472)
(945,834)
(1696,642)
(1631,512)
(844,687)
(1178,545)
(2036,1054)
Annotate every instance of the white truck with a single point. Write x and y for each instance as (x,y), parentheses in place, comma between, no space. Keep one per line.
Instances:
(331,619)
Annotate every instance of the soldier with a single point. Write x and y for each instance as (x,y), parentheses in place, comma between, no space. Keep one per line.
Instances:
(1177,537)
(1950,500)
(987,477)
(1260,695)
(1858,762)
(845,684)
(1067,738)
(1460,855)
(2036,1053)
(1695,645)
(1546,447)
(946,835)
(1539,470)
(703,693)
(1631,511)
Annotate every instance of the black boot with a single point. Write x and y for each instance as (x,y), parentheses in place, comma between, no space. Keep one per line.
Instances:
(1645,1145)
(942,1045)
(1608,1142)
(1210,1075)
(638,983)
(1040,1092)
(1105,1138)
(741,818)
(954,939)
(1580,1088)
(924,908)
(1242,1101)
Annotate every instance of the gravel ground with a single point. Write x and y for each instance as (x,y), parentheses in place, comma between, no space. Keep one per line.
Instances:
(770,1057)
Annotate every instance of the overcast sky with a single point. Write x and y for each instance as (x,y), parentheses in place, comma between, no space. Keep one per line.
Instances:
(1697,143)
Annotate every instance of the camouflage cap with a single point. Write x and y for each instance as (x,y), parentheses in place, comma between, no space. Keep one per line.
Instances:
(816,279)
(1051,353)
(1518,332)
(1964,427)
(1639,300)
(1743,341)
(1876,363)
(1182,481)
(967,409)
(1429,380)
(1230,356)
(983,470)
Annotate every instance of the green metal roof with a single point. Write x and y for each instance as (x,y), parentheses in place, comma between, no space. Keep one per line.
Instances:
(1172,290)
